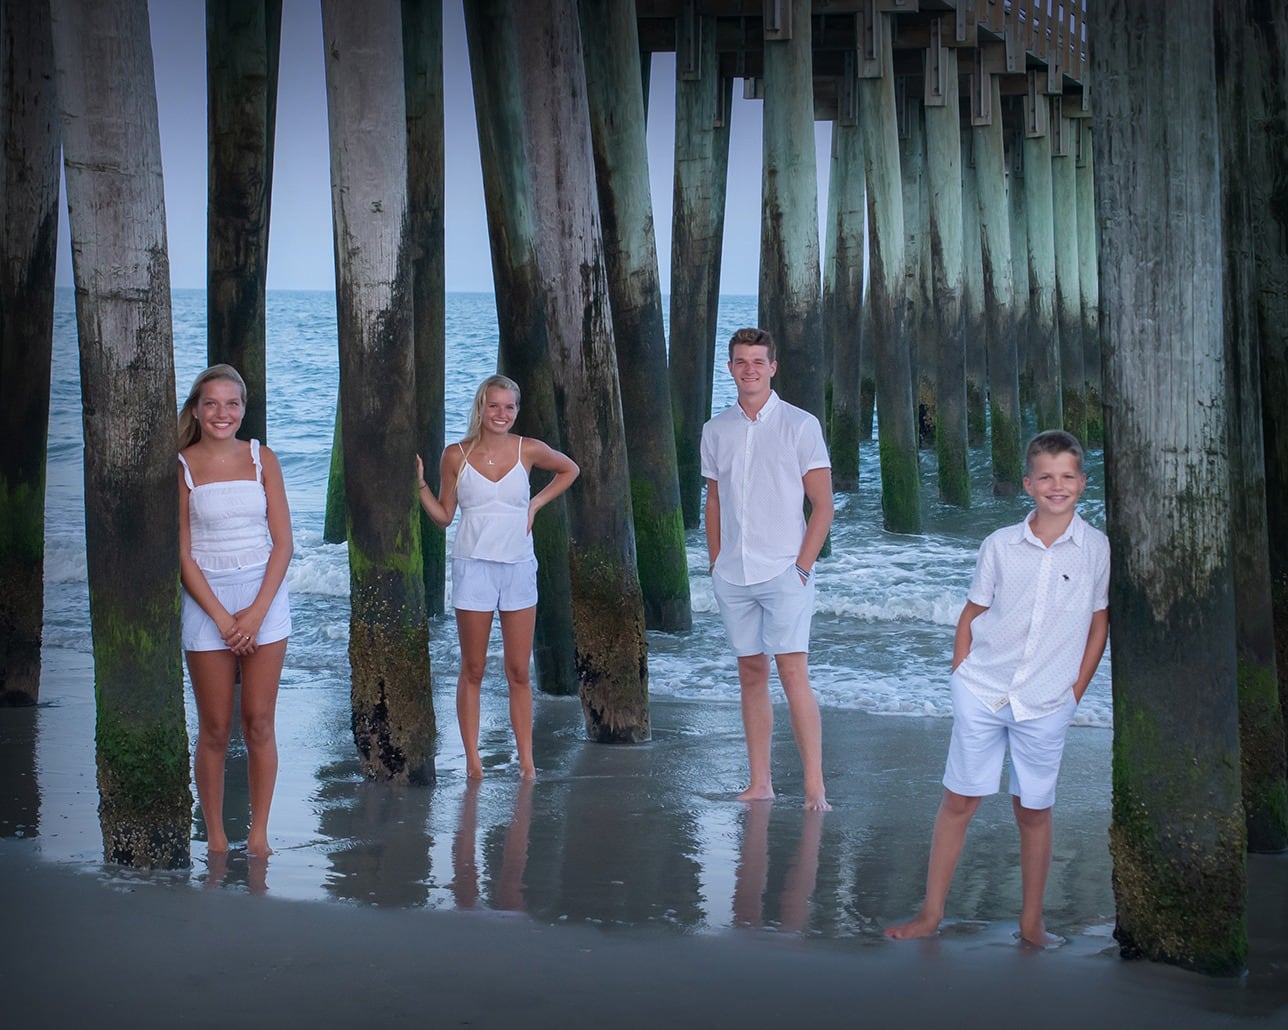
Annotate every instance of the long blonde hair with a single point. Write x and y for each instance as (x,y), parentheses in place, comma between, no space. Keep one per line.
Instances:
(189,427)
(496,382)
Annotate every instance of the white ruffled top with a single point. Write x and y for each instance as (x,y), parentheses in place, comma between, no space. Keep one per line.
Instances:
(228,521)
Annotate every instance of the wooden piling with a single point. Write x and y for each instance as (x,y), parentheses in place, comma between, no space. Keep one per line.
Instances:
(1043,328)
(1177,831)
(1068,289)
(919,302)
(608,614)
(28,246)
(974,319)
(844,310)
(423,86)
(697,231)
(789,295)
(521,319)
(887,297)
(616,100)
(393,713)
(112,163)
(1261,727)
(1021,320)
(1089,283)
(944,239)
(995,224)
(243,41)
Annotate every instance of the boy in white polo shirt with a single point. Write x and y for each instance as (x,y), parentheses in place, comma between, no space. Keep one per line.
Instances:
(761,458)
(1027,644)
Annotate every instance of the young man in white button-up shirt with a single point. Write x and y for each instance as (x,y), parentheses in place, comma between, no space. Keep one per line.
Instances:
(762,458)
(1027,644)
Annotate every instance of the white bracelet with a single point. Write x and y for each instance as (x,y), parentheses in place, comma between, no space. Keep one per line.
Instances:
(806,574)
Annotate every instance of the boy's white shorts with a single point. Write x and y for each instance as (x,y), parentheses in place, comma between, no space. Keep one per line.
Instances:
(979,743)
(772,617)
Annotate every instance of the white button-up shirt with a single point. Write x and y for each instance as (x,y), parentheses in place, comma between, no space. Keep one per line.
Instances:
(759,467)
(1026,650)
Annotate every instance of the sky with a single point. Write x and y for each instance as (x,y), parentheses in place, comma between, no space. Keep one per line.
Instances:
(300,244)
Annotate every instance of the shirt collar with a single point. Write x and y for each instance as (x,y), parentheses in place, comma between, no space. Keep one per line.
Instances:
(764,412)
(1074,532)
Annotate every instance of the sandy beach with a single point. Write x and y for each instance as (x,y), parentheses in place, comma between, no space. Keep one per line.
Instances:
(624,887)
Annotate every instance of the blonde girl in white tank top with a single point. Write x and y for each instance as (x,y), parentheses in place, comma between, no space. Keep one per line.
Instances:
(235,609)
(486,476)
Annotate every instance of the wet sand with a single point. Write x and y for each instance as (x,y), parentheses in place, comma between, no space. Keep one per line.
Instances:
(624,887)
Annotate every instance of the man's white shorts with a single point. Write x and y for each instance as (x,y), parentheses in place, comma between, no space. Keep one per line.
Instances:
(489,586)
(772,617)
(979,743)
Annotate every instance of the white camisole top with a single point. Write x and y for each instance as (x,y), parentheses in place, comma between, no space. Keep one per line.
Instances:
(494,516)
(228,521)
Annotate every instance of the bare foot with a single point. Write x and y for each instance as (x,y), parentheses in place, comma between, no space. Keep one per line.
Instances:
(217,845)
(1037,937)
(258,848)
(817,804)
(527,772)
(757,794)
(474,772)
(922,925)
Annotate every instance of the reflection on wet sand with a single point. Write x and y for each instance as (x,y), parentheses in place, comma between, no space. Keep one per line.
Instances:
(507,886)
(752,878)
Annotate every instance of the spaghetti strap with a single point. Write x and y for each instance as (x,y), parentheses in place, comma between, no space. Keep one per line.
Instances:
(520,450)
(187,473)
(254,456)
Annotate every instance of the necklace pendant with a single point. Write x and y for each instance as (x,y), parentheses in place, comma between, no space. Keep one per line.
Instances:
(491,462)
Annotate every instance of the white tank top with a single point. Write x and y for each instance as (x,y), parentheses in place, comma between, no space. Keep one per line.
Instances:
(494,516)
(228,521)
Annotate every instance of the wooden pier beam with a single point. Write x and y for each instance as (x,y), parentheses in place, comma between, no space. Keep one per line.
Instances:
(919,301)
(974,319)
(995,224)
(1267,97)
(790,289)
(1089,282)
(393,712)
(115,200)
(944,238)
(423,87)
(1068,288)
(1043,328)
(28,248)
(843,308)
(887,299)
(616,100)
(1261,725)
(1021,320)
(703,104)
(1177,832)
(607,606)
(243,41)
(521,316)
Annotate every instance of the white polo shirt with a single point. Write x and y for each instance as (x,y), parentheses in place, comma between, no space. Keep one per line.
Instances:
(1026,650)
(758,465)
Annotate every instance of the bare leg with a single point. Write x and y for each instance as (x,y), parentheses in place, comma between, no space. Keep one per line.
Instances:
(1035,862)
(758,723)
(955,813)
(807,727)
(517,629)
(213,675)
(261,677)
(474,629)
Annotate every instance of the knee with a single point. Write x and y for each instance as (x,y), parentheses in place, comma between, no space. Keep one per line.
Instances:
(214,736)
(960,806)
(517,676)
(1030,818)
(258,730)
(471,674)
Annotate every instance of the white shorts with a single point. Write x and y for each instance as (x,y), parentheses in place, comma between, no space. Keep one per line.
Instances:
(489,586)
(979,743)
(772,617)
(236,589)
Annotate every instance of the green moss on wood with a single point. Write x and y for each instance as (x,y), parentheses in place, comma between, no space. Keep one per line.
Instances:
(335,523)
(612,651)
(845,450)
(976,420)
(1008,456)
(1261,750)
(660,559)
(900,488)
(22,521)
(393,719)
(1178,876)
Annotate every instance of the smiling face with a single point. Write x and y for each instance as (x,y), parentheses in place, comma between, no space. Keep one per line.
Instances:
(752,373)
(219,409)
(500,408)
(1055,482)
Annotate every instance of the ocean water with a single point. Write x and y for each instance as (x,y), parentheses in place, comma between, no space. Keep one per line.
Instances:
(887,603)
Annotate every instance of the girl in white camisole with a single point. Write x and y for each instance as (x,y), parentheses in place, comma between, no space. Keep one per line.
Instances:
(493,564)
(234,547)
